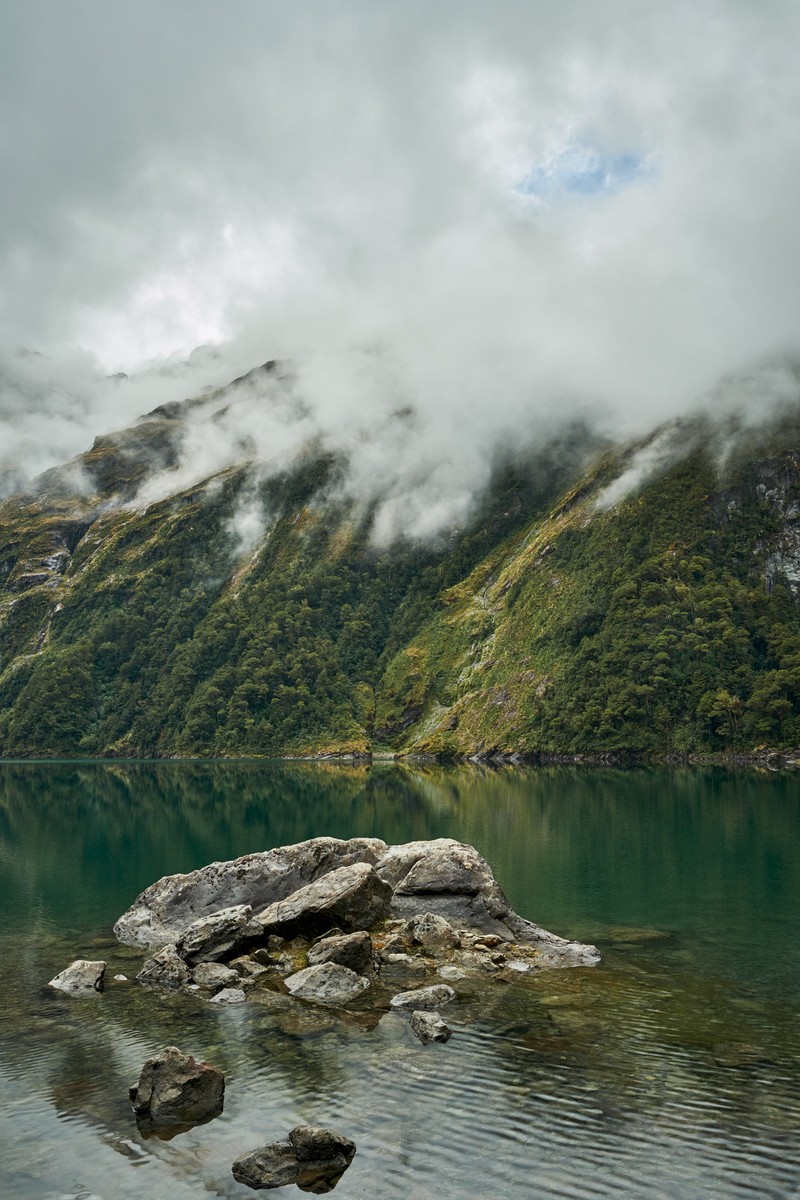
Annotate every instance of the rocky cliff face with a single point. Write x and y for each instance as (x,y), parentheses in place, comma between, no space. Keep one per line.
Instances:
(588,608)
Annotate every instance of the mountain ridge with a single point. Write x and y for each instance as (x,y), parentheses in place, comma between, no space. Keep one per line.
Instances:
(632,601)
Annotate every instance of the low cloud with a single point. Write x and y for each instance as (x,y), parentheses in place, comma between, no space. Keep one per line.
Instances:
(459,230)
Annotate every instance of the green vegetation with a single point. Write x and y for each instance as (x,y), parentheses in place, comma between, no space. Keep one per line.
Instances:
(665,624)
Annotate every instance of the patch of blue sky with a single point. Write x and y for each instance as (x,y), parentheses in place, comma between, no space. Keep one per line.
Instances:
(579,170)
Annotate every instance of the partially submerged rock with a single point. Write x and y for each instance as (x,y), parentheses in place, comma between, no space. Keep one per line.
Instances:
(312,1157)
(216,975)
(175,1091)
(165,969)
(429,1027)
(327,983)
(229,995)
(429,998)
(83,977)
(399,916)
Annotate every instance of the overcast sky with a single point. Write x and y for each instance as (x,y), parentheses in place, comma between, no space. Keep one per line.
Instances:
(516,209)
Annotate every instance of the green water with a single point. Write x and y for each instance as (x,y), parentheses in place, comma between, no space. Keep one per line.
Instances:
(671,1070)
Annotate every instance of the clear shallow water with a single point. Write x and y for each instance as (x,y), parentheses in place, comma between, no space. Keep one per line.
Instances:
(671,1070)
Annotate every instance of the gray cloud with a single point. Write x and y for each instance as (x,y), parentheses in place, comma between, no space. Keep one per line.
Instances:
(495,215)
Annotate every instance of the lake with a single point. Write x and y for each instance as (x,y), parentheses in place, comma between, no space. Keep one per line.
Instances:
(671,1070)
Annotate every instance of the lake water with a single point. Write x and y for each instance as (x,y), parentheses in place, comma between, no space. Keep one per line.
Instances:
(671,1070)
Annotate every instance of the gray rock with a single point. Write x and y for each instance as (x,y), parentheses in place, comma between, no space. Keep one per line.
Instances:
(327,983)
(429,1027)
(315,1143)
(175,1090)
(163,910)
(249,967)
(306,888)
(212,937)
(352,897)
(429,929)
(212,974)
(271,1166)
(353,950)
(83,977)
(229,995)
(312,1157)
(165,969)
(457,883)
(427,998)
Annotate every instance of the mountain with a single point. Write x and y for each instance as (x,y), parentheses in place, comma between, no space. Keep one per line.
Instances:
(602,601)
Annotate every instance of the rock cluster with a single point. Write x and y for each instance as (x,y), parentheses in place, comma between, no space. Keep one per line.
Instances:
(353,925)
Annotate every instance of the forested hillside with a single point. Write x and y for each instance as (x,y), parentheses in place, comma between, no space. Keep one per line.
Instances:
(577,613)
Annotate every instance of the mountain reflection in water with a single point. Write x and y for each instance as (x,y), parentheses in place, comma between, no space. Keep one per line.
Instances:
(671,1070)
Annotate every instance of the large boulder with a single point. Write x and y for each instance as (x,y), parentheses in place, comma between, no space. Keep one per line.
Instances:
(311,1157)
(163,910)
(83,977)
(219,934)
(176,1091)
(452,880)
(327,983)
(307,888)
(353,898)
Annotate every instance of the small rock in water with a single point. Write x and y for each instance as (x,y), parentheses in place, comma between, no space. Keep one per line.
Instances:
(175,1091)
(165,969)
(83,977)
(312,1157)
(327,983)
(429,1027)
(229,995)
(428,998)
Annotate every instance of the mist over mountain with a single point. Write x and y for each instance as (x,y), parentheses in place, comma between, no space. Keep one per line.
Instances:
(399,379)
(460,229)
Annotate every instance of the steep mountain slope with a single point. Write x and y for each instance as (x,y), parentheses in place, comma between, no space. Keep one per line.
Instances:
(578,613)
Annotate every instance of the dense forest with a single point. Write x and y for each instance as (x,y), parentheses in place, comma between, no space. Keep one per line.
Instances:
(566,618)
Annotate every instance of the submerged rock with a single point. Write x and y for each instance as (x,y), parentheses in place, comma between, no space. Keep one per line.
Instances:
(327,983)
(83,977)
(429,1027)
(176,1091)
(312,1157)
